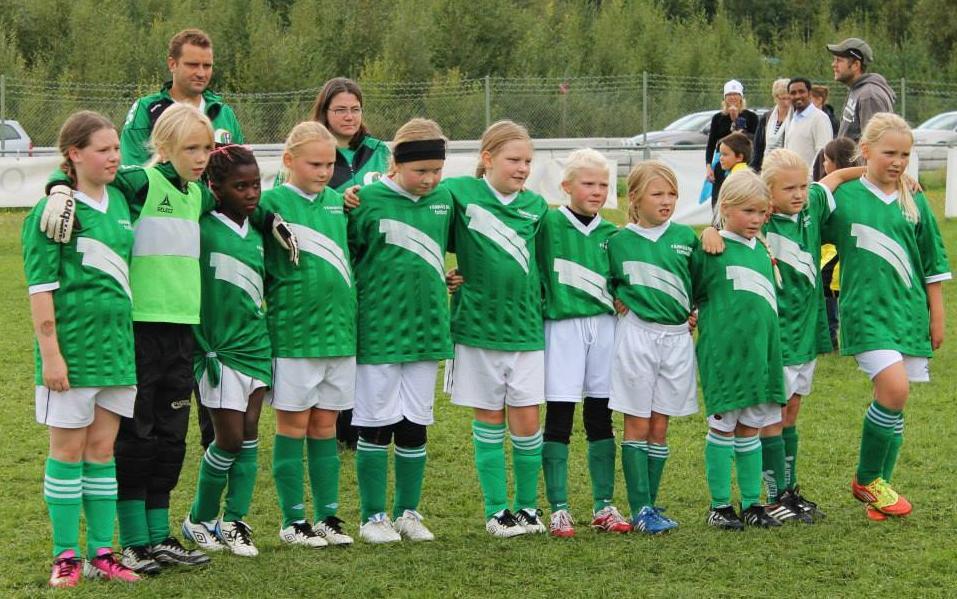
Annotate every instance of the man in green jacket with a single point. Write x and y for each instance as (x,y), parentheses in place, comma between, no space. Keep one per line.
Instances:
(190,62)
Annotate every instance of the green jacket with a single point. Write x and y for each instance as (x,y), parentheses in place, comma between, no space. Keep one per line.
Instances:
(134,141)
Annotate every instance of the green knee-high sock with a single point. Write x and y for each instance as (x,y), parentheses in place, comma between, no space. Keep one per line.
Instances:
(790,436)
(213,471)
(242,481)
(157,521)
(323,476)
(287,472)
(526,465)
(99,505)
(409,475)
(773,464)
(718,457)
(555,469)
(634,461)
(876,438)
(131,515)
(601,467)
(63,492)
(489,442)
(657,456)
(894,450)
(372,466)
(747,461)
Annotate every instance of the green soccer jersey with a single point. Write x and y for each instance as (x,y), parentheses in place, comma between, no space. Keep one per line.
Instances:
(311,308)
(739,341)
(232,329)
(651,270)
(573,265)
(397,242)
(886,262)
(500,304)
(361,166)
(796,243)
(92,301)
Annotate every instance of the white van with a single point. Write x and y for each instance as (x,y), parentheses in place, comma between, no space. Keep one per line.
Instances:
(14,141)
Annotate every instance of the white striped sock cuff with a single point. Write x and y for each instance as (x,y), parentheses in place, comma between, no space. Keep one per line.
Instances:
(218,461)
(99,486)
(639,445)
(747,444)
(720,440)
(58,488)
(899,427)
(410,453)
(880,418)
(364,445)
(658,451)
(485,435)
(530,442)
(251,444)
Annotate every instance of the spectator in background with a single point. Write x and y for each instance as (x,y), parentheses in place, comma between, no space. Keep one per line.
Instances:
(734,116)
(809,129)
(772,124)
(868,93)
(819,94)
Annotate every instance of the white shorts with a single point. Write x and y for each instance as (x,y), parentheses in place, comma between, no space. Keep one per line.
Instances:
(798,378)
(299,384)
(578,354)
(387,393)
(233,391)
(74,408)
(759,416)
(874,361)
(653,369)
(489,379)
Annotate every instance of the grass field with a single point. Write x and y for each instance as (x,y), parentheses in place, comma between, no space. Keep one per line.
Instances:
(844,556)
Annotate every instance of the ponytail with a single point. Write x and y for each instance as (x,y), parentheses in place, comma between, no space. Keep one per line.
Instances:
(774,261)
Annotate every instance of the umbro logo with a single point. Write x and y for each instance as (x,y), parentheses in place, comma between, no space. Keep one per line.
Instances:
(165,206)
(178,405)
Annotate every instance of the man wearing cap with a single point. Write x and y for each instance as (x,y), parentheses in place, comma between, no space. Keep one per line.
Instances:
(734,116)
(190,63)
(868,93)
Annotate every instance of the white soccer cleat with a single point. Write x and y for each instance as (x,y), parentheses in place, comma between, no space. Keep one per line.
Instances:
(237,537)
(200,534)
(378,529)
(530,521)
(300,533)
(409,525)
(330,529)
(504,525)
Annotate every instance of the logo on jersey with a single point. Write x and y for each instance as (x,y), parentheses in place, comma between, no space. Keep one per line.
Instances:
(229,269)
(100,256)
(577,276)
(681,249)
(484,222)
(315,243)
(748,279)
(879,244)
(655,277)
(439,209)
(371,177)
(409,238)
(131,113)
(527,214)
(165,206)
(333,209)
(222,137)
(790,253)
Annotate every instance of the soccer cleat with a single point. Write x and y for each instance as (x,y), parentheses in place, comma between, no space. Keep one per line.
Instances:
(410,526)
(793,499)
(758,515)
(300,533)
(237,537)
(529,519)
(661,514)
(784,512)
(609,519)
(881,496)
(171,552)
(650,522)
(198,533)
(561,524)
(378,529)
(138,559)
(330,529)
(874,515)
(504,525)
(107,567)
(66,570)
(725,518)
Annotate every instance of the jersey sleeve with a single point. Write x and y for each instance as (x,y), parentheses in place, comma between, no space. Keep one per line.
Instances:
(698,267)
(820,203)
(933,255)
(355,221)
(41,256)
(135,135)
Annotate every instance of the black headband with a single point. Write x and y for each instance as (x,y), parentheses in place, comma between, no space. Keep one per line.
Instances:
(423,149)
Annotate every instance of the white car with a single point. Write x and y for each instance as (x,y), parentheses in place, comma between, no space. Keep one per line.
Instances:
(14,141)
(932,137)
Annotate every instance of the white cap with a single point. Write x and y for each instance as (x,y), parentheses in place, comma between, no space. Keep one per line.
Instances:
(733,87)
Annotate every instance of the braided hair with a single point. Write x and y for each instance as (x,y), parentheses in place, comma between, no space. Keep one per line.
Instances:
(742,188)
(224,160)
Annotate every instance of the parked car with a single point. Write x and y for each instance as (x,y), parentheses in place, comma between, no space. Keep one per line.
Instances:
(690,130)
(932,137)
(16,142)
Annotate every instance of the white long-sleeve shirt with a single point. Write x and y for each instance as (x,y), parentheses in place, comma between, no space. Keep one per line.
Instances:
(808,132)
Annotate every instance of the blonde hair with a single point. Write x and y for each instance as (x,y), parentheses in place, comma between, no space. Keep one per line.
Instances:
(497,135)
(725,106)
(304,133)
(740,189)
(881,123)
(780,86)
(582,159)
(173,126)
(779,160)
(641,177)
(417,129)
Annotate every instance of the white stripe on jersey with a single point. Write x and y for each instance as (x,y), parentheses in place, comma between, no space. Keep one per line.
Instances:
(231,270)
(484,222)
(407,237)
(789,252)
(651,275)
(575,275)
(100,256)
(872,240)
(747,279)
(317,244)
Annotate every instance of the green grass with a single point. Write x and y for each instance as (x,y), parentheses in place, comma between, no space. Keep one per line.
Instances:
(843,556)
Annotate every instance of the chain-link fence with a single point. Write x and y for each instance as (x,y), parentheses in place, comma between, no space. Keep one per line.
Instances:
(620,106)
